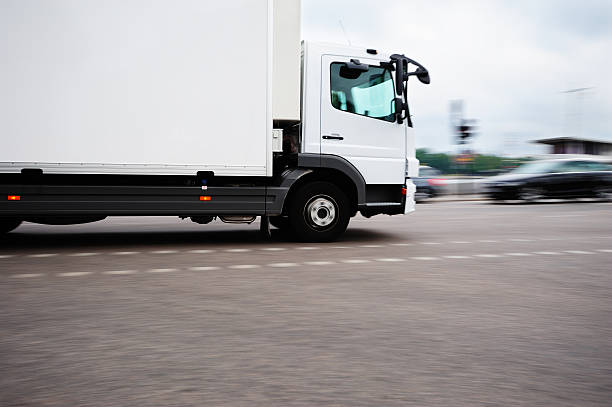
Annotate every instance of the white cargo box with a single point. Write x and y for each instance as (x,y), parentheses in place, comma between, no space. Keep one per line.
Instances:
(141,86)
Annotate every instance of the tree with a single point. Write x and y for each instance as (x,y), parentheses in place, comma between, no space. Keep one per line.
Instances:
(440,161)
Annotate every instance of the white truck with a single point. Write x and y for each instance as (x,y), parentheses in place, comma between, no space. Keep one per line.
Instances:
(199,109)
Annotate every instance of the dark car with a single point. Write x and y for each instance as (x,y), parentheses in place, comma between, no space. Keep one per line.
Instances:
(567,178)
(428,184)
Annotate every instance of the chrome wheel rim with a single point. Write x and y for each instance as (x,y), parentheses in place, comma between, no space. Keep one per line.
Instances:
(320,211)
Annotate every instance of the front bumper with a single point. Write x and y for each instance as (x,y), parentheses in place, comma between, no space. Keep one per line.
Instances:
(393,202)
(410,203)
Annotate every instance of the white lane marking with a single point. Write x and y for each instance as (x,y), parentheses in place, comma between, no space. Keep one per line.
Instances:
(243,266)
(169,270)
(84,254)
(201,251)
(318,263)
(40,255)
(402,244)
(340,247)
(75,274)
(430,243)
(124,253)
(578,252)
(457,257)
(283,265)
(307,248)
(120,272)
(355,261)
(550,253)
(164,251)
(460,242)
(6,256)
(273,249)
(27,275)
(563,216)
(371,246)
(390,260)
(238,250)
(204,268)
(605,250)
(488,255)
(520,240)
(517,254)
(424,258)
(488,241)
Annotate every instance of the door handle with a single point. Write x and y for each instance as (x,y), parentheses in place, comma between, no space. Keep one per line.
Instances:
(333,137)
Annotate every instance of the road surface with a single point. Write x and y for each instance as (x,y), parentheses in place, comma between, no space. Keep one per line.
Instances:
(459,304)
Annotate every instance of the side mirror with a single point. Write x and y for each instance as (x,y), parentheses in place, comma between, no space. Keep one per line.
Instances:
(399,77)
(399,110)
(423,75)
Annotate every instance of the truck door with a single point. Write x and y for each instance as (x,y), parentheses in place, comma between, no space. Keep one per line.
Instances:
(358,119)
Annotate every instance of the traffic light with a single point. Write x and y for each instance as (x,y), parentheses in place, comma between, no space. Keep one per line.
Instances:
(465,131)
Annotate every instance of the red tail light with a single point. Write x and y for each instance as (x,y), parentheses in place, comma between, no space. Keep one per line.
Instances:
(14,198)
(436,182)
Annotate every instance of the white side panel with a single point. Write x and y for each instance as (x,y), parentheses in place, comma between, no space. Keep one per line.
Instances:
(156,85)
(286,66)
(412,163)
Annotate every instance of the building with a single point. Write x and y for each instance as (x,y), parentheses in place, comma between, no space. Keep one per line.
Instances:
(572,145)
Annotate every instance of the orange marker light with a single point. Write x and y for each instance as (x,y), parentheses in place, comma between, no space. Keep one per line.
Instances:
(205,198)
(404,191)
(14,198)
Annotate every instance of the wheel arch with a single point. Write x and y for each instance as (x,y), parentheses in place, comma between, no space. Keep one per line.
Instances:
(333,176)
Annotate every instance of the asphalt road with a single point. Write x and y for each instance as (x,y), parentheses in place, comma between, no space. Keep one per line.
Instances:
(459,304)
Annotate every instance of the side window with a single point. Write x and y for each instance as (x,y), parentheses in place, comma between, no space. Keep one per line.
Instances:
(596,166)
(575,166)
(369,93)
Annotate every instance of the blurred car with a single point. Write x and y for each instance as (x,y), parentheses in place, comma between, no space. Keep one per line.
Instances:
(565,178)
(428,184)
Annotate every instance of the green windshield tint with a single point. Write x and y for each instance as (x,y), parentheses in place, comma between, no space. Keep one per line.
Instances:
(368,93)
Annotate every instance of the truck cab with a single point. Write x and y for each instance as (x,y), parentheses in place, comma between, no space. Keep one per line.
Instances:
(349,111)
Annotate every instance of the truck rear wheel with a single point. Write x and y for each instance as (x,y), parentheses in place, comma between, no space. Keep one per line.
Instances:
(8,224)
(319,212)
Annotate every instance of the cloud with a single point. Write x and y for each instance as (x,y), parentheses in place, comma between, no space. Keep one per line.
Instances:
(510,61)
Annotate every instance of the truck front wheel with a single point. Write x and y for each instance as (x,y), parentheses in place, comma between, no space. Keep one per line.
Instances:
(319,212)
(8,224)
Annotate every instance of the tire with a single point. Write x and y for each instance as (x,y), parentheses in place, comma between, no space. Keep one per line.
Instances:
(279,222)
(319,212)
(8,224)
(604,193)
(530,194)
(422,195)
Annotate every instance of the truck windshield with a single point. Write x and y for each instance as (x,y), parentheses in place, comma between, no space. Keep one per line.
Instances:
(369,94)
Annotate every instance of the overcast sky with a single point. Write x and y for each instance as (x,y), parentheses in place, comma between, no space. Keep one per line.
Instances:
(510,61)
